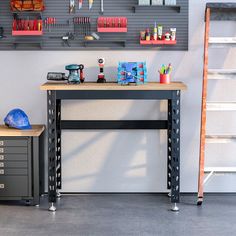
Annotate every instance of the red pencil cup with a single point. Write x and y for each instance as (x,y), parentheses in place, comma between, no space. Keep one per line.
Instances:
(165,78)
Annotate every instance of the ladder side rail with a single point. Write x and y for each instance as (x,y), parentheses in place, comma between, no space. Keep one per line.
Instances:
(203,113)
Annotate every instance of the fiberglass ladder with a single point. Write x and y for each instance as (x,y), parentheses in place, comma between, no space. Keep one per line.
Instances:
(214,11)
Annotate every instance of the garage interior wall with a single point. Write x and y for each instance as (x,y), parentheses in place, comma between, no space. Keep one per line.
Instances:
(130,161)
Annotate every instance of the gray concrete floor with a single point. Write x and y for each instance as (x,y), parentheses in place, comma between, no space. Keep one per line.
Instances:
(128,214)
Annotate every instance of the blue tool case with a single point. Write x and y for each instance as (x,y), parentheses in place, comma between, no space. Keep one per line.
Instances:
(132,72)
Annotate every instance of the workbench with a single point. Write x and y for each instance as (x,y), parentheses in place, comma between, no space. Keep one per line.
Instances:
(56,92)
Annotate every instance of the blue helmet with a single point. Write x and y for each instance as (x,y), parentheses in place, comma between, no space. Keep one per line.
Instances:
(17,118)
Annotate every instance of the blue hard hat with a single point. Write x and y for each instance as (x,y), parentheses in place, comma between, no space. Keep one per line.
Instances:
(17,118)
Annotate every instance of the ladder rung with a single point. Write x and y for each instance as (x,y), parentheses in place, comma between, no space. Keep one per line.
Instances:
(221,106)
(222,40)
(220,169)
(220,138)
(222,74)
(221,6)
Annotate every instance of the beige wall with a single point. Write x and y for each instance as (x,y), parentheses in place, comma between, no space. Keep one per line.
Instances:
(128,160)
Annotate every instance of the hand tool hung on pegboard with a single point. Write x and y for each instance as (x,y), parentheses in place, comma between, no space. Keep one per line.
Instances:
(72,6)
(80,4)
(82,25)
(69,36)
(102,7)
(90,4)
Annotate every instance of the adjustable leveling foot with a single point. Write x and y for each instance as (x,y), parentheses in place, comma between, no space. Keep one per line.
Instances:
(58,194)
(52,207)
(175,207)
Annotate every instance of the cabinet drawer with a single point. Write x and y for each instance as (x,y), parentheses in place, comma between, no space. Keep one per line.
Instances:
(13,142)
(13,164)
(13,150)
(13,157)
(5,172)
(14,186)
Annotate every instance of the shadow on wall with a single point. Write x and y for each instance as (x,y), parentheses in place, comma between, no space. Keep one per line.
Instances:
(134,162)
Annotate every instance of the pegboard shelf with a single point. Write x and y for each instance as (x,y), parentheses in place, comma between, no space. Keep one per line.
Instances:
(27,33)
(121,43)
(112,30)
(156,7)
(158,42)
(32,44)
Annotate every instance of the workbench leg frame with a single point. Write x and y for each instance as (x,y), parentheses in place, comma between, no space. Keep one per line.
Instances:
(58,141)
(52,148)
(169,148)
(175,149)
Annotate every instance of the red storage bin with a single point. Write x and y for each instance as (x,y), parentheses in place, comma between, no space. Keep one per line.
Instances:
(112,24)
(27,28)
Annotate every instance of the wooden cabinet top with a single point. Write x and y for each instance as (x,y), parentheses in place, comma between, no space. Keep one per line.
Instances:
(36,131)
(112,86)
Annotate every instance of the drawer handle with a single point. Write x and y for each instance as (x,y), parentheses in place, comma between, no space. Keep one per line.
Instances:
(1,157)
(1,150)
(1,164)
(1,172)
(1,143)
(2,186)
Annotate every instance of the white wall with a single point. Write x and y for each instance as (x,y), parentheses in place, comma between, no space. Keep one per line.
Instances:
(127,160)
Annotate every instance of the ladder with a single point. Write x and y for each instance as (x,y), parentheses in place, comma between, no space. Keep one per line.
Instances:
(214,11)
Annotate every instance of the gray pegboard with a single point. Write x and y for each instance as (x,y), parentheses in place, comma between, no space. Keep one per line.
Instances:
(139,20)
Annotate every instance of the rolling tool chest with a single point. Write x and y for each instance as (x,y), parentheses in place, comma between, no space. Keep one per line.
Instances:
(21,164)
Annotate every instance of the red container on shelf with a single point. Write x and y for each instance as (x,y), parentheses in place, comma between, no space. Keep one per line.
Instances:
(158,42)
(165,78)
(112,24)
(27,28)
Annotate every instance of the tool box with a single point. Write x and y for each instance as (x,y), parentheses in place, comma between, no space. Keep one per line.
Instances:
(21,164)
(132,72)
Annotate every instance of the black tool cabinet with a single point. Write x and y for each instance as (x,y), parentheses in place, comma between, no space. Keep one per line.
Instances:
(21,164)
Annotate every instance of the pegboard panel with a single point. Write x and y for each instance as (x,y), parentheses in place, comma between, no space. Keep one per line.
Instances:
(138,20)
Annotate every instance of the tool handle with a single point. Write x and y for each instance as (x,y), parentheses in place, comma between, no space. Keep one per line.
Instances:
(102,7)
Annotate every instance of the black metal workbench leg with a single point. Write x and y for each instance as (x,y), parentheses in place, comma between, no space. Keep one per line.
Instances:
(174,145)
(58,150)
(52,148)
(169,150)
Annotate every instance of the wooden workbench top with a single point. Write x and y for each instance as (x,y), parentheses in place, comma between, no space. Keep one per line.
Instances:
(36,131)
(112,86)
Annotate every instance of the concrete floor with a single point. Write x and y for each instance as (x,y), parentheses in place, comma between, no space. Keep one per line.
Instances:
(131,214)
